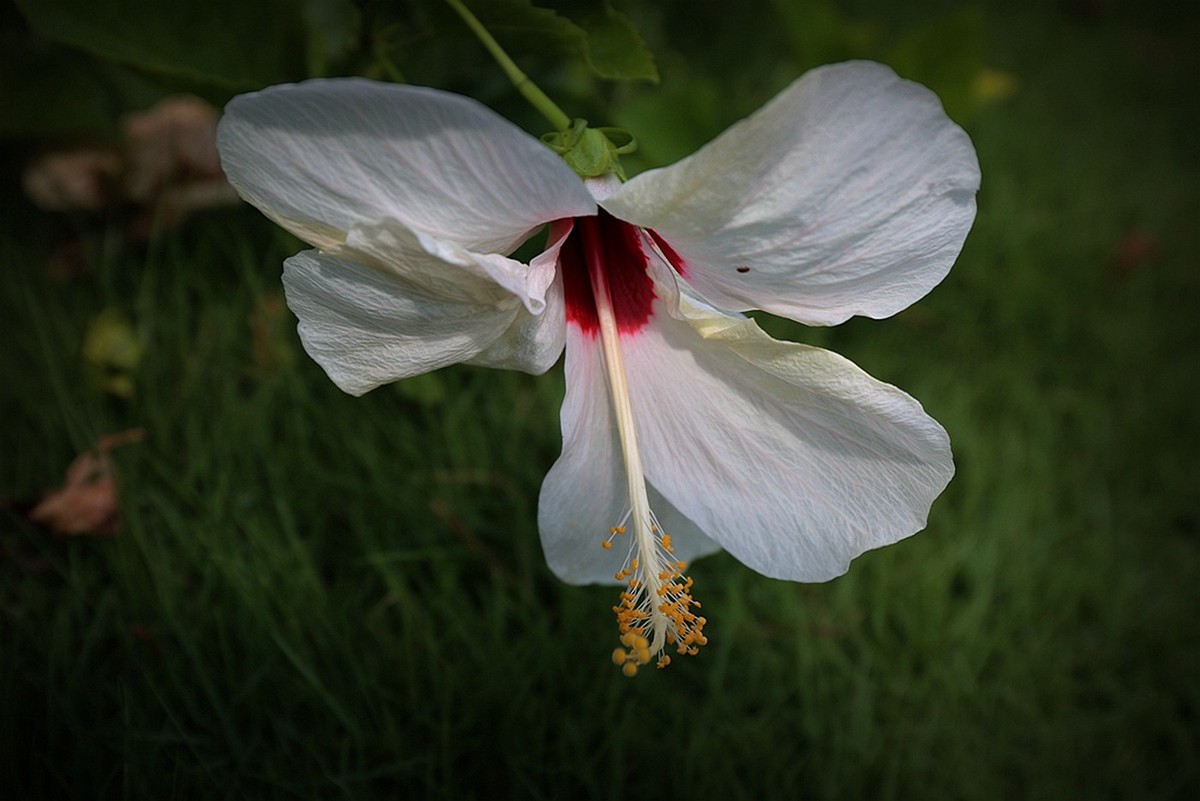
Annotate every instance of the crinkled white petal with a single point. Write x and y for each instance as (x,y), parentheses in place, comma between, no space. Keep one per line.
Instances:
(368,322)
(850,193)
(585,491)
(789,456)
(322,155)
(533,343)
(393,247)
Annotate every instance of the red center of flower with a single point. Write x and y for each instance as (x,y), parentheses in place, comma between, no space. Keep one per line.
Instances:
(614,249)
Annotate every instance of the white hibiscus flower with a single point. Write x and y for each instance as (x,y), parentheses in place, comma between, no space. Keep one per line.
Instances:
(685,427)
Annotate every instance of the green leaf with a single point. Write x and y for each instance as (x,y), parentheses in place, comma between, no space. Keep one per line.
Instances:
(601,37)
(522,28)
(230,42)
(615,50)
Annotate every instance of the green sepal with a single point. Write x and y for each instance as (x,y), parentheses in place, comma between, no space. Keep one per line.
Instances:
(592,152)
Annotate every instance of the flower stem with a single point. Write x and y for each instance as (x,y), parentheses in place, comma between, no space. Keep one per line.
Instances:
(520,80)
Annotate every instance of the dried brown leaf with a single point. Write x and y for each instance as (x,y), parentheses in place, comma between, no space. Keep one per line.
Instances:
(87,503)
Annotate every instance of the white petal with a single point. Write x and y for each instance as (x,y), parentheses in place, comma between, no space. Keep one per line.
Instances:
(534,342)
(851,192)
(368,324)
(321,155)
(392,247)
(585,491)
(789,456)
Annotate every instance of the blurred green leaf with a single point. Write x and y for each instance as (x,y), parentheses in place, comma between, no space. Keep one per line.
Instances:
(602,37)
(236,44)
(671,121)
(428,389)
(332,27)
(819,33)
(947,55)
(53,94)
(614,48)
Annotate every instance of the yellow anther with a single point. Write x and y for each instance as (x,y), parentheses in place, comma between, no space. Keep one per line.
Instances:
(606,544)
(654,610)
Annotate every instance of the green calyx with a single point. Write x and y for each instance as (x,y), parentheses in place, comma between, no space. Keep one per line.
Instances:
(592,152)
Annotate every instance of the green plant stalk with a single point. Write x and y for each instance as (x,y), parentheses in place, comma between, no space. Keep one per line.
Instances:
(520,80)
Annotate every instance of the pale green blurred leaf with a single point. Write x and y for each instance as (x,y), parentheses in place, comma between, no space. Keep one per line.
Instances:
(112,351)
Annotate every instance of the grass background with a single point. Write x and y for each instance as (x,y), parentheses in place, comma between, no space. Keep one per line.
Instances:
(320,596)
